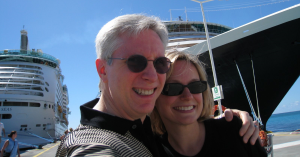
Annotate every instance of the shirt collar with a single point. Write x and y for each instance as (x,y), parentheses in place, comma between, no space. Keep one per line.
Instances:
(102,120)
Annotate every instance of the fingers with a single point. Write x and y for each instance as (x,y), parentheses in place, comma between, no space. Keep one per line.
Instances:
(246,119)
(255,135)
(228,115)
(249,131)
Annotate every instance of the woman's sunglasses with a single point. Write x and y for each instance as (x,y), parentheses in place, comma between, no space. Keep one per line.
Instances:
(173,89)
(138,63)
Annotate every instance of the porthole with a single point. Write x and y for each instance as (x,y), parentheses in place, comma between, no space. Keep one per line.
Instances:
(46,89)
(49,106)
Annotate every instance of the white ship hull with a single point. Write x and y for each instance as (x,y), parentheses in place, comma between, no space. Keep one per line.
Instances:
(33,98)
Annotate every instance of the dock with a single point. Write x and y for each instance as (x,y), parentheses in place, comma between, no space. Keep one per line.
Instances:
(284,144)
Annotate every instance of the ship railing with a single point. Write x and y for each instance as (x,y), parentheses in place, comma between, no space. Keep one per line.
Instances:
(29,53)
(195,30)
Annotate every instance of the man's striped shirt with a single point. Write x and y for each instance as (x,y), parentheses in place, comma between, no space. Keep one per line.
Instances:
(101,134)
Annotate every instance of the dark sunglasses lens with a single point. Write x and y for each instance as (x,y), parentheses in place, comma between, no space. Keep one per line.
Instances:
(162,65)
(172,89)
(137,63)
(197,87)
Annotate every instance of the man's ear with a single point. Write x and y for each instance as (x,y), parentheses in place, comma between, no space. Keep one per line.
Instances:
(101,69)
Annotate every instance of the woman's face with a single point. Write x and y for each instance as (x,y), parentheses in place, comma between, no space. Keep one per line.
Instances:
(185,108)
(14,135)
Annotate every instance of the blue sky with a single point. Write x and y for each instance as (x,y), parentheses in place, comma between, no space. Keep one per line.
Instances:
(67,29)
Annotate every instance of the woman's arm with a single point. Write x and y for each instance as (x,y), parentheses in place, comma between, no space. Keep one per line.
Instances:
(4,146)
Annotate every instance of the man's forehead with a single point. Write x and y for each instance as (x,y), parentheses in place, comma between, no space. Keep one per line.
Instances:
(138,44)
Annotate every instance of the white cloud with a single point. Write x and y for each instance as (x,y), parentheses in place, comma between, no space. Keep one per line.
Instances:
(296,103)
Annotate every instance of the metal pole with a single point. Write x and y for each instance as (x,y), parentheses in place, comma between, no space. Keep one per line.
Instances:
(185,14)
(210,51)
(170,15)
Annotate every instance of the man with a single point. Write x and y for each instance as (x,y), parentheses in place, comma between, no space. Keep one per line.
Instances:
(2,130)
(132,65)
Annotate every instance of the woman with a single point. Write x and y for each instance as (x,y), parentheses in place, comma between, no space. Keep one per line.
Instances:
(11,147)
(182,115)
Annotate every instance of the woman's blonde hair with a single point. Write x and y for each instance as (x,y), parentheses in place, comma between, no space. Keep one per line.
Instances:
(157,124)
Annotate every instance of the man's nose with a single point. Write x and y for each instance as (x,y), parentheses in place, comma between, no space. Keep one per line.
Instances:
(150,73)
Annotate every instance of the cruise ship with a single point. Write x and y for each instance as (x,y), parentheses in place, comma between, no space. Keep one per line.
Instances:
(185,34)
(33,97)
(266,52)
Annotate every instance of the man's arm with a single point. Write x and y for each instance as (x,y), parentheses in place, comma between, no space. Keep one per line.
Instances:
(249,127)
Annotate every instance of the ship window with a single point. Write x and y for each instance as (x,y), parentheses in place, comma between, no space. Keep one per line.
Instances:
(24,125)
(44,124)
(15,104)
(46,89)
(32,104)
(49,106)
(47,83)
(6,116)
(37,88)
(37,82)
(38,125)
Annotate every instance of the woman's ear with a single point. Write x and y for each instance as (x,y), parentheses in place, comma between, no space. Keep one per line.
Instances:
(101,65)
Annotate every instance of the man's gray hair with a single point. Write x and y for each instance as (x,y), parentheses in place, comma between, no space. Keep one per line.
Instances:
(108,41)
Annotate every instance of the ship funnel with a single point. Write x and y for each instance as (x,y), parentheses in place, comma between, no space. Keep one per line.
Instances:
(24,40)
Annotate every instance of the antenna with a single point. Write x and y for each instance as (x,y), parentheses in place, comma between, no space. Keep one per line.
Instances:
(185,14)
(170,15)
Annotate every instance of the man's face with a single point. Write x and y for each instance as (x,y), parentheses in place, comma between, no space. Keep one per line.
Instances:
(133,95)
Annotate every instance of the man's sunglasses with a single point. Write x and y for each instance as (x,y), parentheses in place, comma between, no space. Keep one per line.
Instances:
(138,63)
(173,89)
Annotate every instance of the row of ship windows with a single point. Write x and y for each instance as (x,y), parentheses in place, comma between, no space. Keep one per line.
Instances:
(24,66)
(22,81)
(25,104)
(29,59)
(15,92)
(21,70)
(38,125)
(5,116)
(21,75)
(18,86)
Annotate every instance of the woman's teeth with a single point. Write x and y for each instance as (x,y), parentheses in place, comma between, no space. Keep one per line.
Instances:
(144,92)
(185,108)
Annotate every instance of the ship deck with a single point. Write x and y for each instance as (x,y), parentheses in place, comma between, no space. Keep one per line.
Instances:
(284,144)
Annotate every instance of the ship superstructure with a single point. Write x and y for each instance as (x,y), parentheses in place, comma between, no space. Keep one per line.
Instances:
(33,97)
(184,34)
